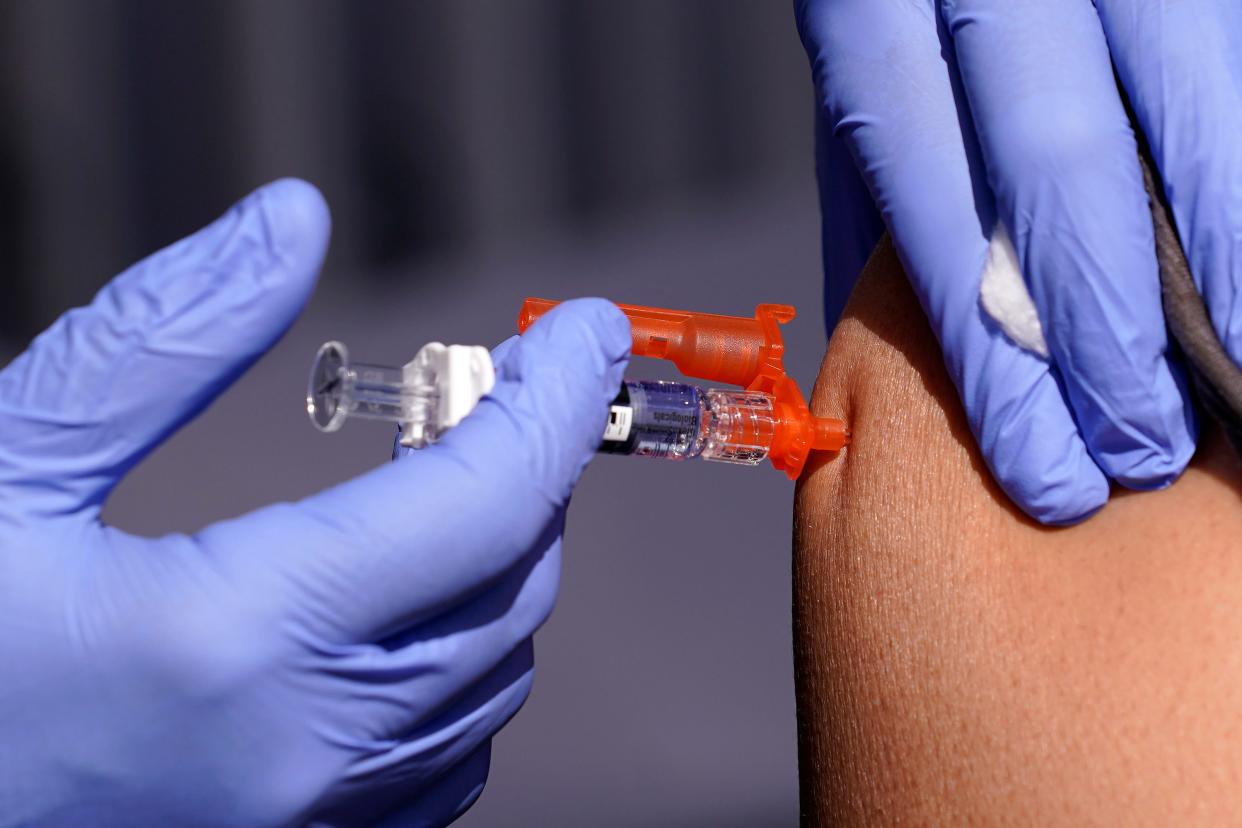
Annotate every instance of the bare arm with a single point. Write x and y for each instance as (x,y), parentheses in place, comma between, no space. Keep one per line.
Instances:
(958,663)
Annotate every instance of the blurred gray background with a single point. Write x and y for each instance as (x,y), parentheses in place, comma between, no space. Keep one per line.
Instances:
(474,152)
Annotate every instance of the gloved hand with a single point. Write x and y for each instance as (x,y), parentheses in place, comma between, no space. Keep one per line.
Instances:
(960,112)
(345,658)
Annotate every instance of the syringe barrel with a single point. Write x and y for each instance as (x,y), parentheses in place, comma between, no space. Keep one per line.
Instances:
(656,419)
(679,421)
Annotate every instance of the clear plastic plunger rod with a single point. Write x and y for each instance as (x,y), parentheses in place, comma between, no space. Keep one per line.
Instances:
(340,389)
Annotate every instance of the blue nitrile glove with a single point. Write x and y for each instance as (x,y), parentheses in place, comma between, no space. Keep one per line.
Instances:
(1049,149)
(343,659)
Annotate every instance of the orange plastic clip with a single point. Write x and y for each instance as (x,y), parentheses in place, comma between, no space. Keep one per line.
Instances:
(735,350)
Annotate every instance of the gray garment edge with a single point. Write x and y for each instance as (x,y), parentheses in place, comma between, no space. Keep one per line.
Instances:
(1217,379)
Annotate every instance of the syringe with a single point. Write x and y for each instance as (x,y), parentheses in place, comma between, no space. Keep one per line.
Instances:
(768,419)
(674,420)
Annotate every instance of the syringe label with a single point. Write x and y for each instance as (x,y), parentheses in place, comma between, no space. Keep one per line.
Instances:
(620,419)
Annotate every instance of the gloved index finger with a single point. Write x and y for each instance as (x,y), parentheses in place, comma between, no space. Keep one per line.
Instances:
(106,383)
(887,85)
(1063,163)
(396,546)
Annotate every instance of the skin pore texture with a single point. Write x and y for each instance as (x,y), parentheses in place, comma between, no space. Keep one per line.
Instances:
(956,662)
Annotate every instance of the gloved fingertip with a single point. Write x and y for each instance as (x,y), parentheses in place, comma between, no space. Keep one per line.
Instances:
(1045,468)
(501,352)
(1151,469)
(298,222)
(618,338)
(553,386)
(604,320)
(1068,502)
(1145,441)
(589,333)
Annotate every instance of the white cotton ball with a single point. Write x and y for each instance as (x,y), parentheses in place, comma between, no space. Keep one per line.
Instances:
(1004,297)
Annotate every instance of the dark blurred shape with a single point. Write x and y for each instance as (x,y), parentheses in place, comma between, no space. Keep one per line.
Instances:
(178,114)
(395,54)
(433,127)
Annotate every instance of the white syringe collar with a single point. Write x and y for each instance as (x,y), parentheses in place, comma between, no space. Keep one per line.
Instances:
(460,374)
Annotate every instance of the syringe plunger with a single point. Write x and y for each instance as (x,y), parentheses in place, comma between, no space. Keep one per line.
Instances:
(340,389)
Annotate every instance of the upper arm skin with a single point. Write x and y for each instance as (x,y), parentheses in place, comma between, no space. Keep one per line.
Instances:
(956,662)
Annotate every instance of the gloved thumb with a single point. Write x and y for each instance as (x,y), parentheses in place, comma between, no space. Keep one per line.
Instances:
(106,383)
(564,366)
(397,546)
